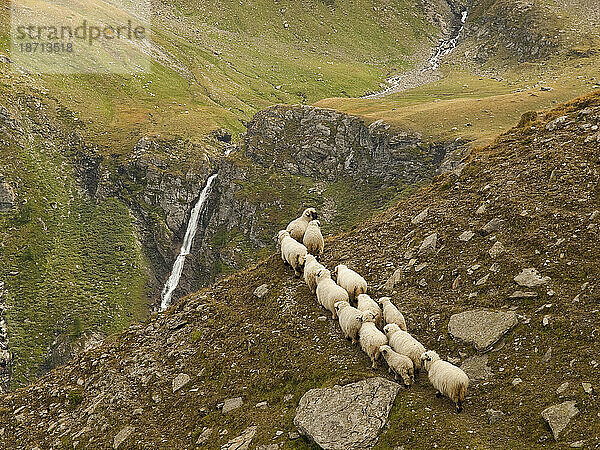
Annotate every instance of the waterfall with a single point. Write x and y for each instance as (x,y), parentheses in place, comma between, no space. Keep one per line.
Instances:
(418,77)
(446,46)
(186,247)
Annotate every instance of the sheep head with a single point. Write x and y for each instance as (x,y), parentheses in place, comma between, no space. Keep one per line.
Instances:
(428,358)
(368,316)
(383,300)
(310,214)
(322,274)
(341,305)
(391,328)
(279,237)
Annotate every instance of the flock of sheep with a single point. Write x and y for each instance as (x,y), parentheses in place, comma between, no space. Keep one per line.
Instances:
(378,326)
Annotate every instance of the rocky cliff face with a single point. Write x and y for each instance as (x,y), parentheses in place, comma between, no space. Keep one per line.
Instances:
(318,145)
(518,29)
(325,144)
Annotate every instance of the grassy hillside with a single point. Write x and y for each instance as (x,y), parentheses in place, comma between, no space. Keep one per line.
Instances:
(216,63)
(542,184)
(480,97)
(69,263)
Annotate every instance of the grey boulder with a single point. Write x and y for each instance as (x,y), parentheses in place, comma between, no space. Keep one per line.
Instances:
(481,327)
(346,417)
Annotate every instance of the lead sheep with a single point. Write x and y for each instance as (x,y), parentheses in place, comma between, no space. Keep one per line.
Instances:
(297,227)
(350,320)
(448,379)
(371,339)
(328,292)
(351,281)
(292,252)
(401,365)
(391,314)
(311,267)
(405,344)
(313,239)
(366,303)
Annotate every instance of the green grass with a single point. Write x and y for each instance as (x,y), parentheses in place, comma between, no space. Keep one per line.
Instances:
(70,264)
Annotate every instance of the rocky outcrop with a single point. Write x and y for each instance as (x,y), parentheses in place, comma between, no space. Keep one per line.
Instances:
(346,417)
(325,144)
(67,346)
(521,29)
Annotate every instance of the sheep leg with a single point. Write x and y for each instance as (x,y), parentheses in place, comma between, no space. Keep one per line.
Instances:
(374,365)
(459,407)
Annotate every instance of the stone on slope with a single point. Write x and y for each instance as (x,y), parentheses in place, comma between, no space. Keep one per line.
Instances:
(494,415)
(428,245)
(554,124)
(420,217)
(180,381)
(232,403)
(121,436)
(391,282)
(481,327)
(496,250)
(559,416)
(261,291)
(204,436)
(530,278)
(7,197)
(346,417)
(476,367)
(493,225)
(466,236)
(242,442)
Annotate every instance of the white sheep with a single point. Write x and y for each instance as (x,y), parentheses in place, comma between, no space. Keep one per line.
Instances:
(311,267)
(446,378)
(351,281)
(366,303)
(401,365)
(371,339)
(350,320)
(292,252)
(391,314)
(313,239)
(297,227)
(405,344)
(328,292)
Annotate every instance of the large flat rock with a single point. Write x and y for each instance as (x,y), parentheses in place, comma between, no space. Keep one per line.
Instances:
(481,327)
(559,416)
(346,417)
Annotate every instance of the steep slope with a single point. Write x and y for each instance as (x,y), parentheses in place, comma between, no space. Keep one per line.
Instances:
(540,183)
(129,153)
(69,264)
